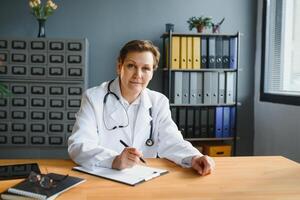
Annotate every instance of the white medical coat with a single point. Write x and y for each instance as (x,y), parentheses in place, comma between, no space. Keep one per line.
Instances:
(91,144)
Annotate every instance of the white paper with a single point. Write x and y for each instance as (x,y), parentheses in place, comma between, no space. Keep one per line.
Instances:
(130,176)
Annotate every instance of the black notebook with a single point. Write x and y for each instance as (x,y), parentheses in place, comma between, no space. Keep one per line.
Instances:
(34,190)
(9,196)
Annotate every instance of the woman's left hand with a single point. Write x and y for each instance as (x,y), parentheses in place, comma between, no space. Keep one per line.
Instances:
(204,165)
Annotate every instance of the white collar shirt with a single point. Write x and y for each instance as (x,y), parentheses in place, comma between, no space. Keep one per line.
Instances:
(132,110)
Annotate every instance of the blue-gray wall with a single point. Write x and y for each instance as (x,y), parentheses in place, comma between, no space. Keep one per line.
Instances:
(276,125)
(109,24)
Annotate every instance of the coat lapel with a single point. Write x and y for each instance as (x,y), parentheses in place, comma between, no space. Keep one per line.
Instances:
(115,114)
(143,118)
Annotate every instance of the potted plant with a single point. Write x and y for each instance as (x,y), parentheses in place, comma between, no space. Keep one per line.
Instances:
(4,92)
(199,23)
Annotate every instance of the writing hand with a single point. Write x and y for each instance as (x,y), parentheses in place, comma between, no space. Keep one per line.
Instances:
(128,158)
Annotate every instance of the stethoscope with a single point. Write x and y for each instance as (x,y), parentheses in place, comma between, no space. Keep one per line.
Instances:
(149,142)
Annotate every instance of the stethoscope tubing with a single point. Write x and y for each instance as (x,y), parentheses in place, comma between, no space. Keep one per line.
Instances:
(149,142)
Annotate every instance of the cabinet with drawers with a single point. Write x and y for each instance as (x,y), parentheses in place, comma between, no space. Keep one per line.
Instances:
(46,78)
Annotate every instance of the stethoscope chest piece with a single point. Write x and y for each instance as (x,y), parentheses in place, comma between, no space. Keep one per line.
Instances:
(149,142)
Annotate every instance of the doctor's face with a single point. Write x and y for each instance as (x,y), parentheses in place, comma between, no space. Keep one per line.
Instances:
(135,73)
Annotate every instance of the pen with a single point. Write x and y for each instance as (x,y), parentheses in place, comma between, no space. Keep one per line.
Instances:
(125,145)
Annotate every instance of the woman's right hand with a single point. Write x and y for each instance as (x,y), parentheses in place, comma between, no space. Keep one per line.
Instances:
(128,158)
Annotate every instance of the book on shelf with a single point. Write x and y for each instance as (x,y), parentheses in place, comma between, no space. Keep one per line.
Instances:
(61,183)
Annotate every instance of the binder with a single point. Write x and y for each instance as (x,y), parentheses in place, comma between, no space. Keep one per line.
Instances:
(174,114)
(166,85)
(196,52)
(211,122)
(189,53)
(214,87)
(219,122)
(204,122)
(221,87)
(204,51)
(175,52)
(226,121)
(230,87)
(207,88)
(183,52)
(197,123)
(177,87)
(190,123)
(193,87)
(225,58)
(199,97)
(233,53)
(182,121)
(185,88)
(212,52)
(167,47)
(219,52)
(232,121)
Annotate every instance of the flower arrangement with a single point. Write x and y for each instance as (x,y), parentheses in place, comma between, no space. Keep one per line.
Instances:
(199,23)
(42,11)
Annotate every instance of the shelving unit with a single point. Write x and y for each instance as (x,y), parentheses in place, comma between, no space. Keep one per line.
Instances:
(197,88)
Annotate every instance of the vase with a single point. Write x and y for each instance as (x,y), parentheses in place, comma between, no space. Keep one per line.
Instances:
(200,28)
(42,23)
(216,28)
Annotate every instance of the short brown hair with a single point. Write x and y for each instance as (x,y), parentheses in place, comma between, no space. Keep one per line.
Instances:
(140,46)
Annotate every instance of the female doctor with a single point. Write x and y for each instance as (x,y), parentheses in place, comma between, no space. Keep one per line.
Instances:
(125,109)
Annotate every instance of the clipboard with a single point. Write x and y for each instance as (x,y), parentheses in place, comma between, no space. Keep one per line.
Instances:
(130,176)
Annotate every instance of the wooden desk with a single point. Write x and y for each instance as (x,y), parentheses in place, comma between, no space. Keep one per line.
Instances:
(235,178)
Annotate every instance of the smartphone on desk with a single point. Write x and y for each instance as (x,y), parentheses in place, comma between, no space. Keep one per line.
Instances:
(17,171)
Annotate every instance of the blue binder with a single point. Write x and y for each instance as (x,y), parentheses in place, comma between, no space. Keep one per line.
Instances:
(219,122)
(226,121)
(232,121)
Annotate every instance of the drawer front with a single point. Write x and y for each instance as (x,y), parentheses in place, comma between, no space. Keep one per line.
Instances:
(46,78)
(218,151)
